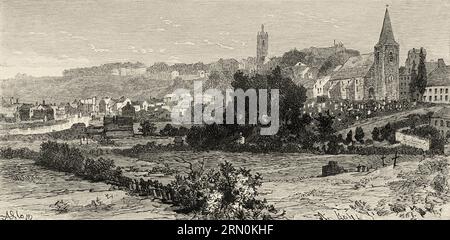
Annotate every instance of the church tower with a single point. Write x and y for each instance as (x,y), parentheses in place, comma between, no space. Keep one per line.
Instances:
(262,48)
(386,63)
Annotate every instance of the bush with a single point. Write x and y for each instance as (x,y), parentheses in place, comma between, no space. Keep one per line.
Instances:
(61,157)
(147,128)
(223,193)
(172,131)
(100,170)
(10,153)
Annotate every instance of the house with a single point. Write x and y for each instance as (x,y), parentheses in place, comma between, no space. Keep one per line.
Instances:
(59,112)
(9,109)
(105,106)
(43,112)
(89,105)
(140,105)
(128,110)
(24,112)
(441,121)
(120,103)
(321,86)
(118,126)
(70,110)
(438,84)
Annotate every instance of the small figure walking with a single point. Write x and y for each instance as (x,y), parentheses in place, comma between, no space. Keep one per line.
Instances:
(383,163)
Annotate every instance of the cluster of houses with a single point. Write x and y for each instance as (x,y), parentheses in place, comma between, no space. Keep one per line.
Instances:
(11,110)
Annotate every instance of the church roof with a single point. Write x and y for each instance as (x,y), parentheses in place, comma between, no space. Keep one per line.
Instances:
(354,67)
(387,34)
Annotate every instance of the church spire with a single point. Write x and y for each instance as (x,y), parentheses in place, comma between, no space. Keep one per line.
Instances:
(387,34)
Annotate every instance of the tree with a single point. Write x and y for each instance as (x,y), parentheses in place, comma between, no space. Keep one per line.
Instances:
(421,74)
(349,138)
(291,95)
(376,134)
(292,57)
(325,125)
(388,133)
(333,146)
(147,128)
(359,134)
(413,88)
(340,138)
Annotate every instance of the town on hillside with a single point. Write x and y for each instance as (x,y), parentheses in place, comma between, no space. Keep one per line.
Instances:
(358,135)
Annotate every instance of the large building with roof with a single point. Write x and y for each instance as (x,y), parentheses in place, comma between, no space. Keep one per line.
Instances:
(438,84)
(412,64)
(373,75)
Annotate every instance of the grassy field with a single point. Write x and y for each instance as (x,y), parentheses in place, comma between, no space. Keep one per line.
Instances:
(290,182)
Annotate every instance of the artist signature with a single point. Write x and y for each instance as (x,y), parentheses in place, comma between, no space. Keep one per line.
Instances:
(339,216)
(15,215)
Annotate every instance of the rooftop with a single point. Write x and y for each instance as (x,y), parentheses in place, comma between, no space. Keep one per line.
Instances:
(357,66)
(439,76)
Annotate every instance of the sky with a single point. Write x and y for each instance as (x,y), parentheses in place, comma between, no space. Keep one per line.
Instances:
(42,38)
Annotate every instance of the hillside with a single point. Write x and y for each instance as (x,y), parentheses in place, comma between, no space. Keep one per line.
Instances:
(302,66)
(63,89)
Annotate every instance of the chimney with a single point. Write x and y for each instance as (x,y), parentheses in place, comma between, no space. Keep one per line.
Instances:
(43,102)
(441,63)
(17,100)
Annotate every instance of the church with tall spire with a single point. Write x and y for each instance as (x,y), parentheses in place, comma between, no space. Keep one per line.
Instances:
(386,63)
(371,76)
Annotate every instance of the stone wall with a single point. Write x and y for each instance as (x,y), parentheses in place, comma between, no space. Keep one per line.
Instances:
(412,141)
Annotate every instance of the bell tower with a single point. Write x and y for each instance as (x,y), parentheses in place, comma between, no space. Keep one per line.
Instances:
(262,47)
(386,63)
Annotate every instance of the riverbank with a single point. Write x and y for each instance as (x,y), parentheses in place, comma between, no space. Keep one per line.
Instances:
(44,194)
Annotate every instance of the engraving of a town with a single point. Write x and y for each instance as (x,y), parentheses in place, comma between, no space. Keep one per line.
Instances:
(225,110)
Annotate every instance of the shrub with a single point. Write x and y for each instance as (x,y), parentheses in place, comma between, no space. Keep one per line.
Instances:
(376,134)
(147,128)
(223,193)
(172,131)
(10,153)
(61,157)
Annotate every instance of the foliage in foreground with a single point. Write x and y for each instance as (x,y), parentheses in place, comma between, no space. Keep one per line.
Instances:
(222,193)
(62,157)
